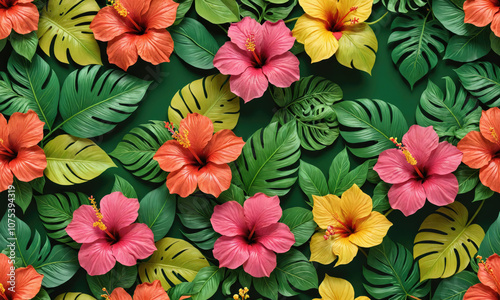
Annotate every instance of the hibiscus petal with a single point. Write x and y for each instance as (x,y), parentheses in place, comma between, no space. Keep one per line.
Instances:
(5,268)
(370,231)
(261,210)
(81,229)
(172,156)
(213,178)
(28,283)
(392,167)
(118,211)
(490,175)
(250,84)
(29,163)
(200,131)
(155,46)
(345,250)
(120,294)
(355,205)
(122,50)
(495,27)
(25,130)
(224,147)
(136,8)
(228,219)
(161,14)
(6,176)
(441,189)
(97,257)
(231,251)
(184,181)
(4,128)
(277,39)
(480,292)
(421,141)
(5,24)
(489,123)
(261,261)
(108,24)
(477,150)
(445,159)
(135,242)
(408,197)
(247,28)
(324,210)
(493,263)
(23,17)
(336,288)
(319,42)
(231,60)
(282,70)
(321,249)
(479,12)
(150,291)
(361,13)
(276,237)
(320,9)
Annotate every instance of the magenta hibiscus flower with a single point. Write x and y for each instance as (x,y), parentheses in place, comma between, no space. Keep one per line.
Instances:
(110,236)
(251,234)
(258,54)
(421,168)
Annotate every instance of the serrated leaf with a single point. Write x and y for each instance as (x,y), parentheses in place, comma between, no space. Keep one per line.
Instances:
(119,276)
(454,288)
(468,48)
(482,80)
(312,181)
(123,186)
(158,211)
(24,44)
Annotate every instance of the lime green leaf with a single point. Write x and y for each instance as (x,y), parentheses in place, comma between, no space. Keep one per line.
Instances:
(446,242)
(482,192)
(158,211)
(64,30)
(206,282)
(24,193)
(209,96)
(494,40)
(454,288)
(94,101)
(24,44)
(74,296)
(301,223)
(468,48)
(451,14)
(266,9)
(312,181)
(482,80)
(195,213)
(467,178)
(173,258)
(358,47)
(123,186)
(218,11)
(72,160)
(119,276)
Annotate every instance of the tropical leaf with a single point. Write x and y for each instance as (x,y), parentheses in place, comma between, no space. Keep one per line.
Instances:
(35,87)
(391,273)
(418,43)
(454,288)
(218,11)
(482,192)
(119,276)
(491,241)
(340,178)
(138,147)
(123,186)
(195,213)
(233,193)
(24,44)
(467,178)
(64,30)
(267,161)
(367,125)
(301,223)
(451,14)
(380,200)
(42,295)
(182,9)
(358,48)
(38,184)
(173,260)
(158,211)
(312,181)
(494,41)
(468,48)
(261,10)
(2,44)
(308,103)
(74,296)
(72,160)
(24,194)
(453,116)
(446,242)
(209,96)
(482,80)
(56,212)
(94,101)
(206,282)
(403,6)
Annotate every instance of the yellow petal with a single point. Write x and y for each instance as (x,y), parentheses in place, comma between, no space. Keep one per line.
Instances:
(321,249)
(320,9)
(345,250)
(333,288)
(324,210)
(362,12)
(362,298)
(355,204)
(358,46)
(319,43)
(371,231)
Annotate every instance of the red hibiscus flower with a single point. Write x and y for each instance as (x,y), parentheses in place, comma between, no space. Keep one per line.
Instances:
(136,28)
(20,15)
(482,13)
(488,274)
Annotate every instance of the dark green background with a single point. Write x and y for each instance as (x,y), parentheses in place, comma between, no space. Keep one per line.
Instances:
(385,83)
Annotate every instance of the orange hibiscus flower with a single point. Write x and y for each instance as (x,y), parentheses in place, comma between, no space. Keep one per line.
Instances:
(150,291)
(25,285)
(482,13)
(20,15)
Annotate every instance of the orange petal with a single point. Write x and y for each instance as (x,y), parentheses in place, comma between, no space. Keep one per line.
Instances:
(320,9)
(5,269)
(172,156)
(214,178)
(480,292)
(5,25)
(161,14)
(200,131)
(479,12)
(29,163)
(495,25)
(345,250)
(184,181)
(6,176)
(155,46)
(25,130)
(489,124)
(122,50)
(150,291)
(492,263)
(108,24)
(477,150)
(321,249)
(28,283)
(136,8)
(120,294)
(371,231)
(23,17)
(490,175)
(224,147)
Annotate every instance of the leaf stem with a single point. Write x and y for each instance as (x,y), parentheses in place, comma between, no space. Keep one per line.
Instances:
(52,131)
(291,20)
(475,214)
(363,251)
(413,297)
(378,20)
(388,212)
(223,29)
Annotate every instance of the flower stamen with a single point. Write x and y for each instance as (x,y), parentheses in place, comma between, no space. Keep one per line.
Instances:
(243,294)
(106,296)
(489,270)
(250,45)
(182,138)
(409,157)
(2,292)
(354,8)
(99,223)
(5,149)
(122,11)
(494,134)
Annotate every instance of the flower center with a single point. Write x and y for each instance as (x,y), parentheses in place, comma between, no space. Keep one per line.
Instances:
(250,45)
(5,151)
(489,270)
(2,292)
(242,294)
(494,135)
(182,139)
(340,22)
(8,3)
(409,158)
(122,11)
(99,222)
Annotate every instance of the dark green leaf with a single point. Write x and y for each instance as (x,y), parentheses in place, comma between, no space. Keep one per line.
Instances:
(179,290)
(2,44)
(380,199)
(158,211)
(467,178)
(482,192)
(42,295)
(301,223)
(482,80)
(494,40)
(24,44)
(338,170)
(402,6)
(267,10)
(218,11)
(123,186)
(182,9)
(312,181)
(234,193)
(206,282)
(491,241)
(38,184)
(267,286)
(119,276)
(454,288)
(468,48)
(195,213)
(372,176)
(294,270)
(24,194)
(451,15)
(232,277)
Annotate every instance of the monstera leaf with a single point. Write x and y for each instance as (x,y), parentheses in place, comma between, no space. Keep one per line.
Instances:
(358,48)
(138,147)
(403,6)
(491,242)
(446,242)
(74,296)
(468,48)
(267,10)
(35,87)
(64,30)
(174,259)
(368,125)
(451,14)
(195,213)
(71,160)
(418,43)
(209,96)
(94,101)
(453,116)
(454,288)
(391,273)
(308,103)
(482,80)
(266,163)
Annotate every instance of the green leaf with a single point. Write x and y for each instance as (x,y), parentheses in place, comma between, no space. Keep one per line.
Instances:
(94,100)
(35,87)
(301,223)
(194,44)
(56,212)
(494,40)
(369,125)
(2,44)
(294,269)
(391,273)
(482,80)
(24,44)
(491,241)
(418,43)
(182,9)
(179,290)
(158,211)
(206,282)
(119,276)
(454,288)
(121,185)
(468,48)
(312,181)
(38,184)
(24,194)
(338,170)
(453,116)
(380,199)
(267,161)
(403,6)
(218,11)
(267,287)
(72,160)
(451,14)
(138,147)
(234,193)
(308,102)
(195,213)
(467,178)
(42,295)
(232,277)
(74,296)
(482,192)
(355,177)
(267,9)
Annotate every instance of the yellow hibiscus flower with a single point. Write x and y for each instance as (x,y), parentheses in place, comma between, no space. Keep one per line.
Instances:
(348,223)
(337,289)
(336,27)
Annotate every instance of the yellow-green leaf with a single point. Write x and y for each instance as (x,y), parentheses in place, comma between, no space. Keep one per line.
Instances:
(446,242)
(64,28)
(72,160)
(74,296)
(174,258)
(357,47)
(209,96)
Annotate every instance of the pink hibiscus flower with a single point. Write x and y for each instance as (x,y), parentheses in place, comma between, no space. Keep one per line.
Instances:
(258,54)
(251,235)
(110,236)
(421,168)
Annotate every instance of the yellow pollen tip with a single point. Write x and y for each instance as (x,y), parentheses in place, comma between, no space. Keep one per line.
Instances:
(354,20)
(409,158)
(97,211)
(243,293)
(2,289)
(118,6)
(494,134)
(182,138)
(250,43)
